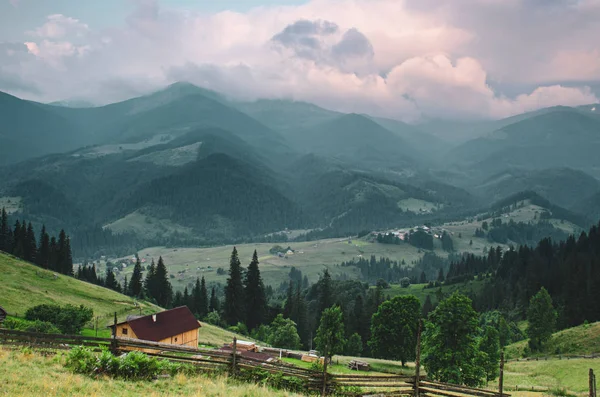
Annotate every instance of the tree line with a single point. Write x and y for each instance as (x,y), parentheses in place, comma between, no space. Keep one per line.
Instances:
(49,252)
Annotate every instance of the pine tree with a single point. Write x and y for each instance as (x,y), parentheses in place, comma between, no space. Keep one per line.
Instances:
(427,306)
(68,259)
(288,306)
(234,292)
(214,306)
(150,281)
(325,293)
(256,302)
(30,245)
(202,302)
(53,257)
(61,257)
(301,314)
(125,286)
(423,278)
(43,254)
(111,281)
(441,275)
(185,301)
(18,248)
(4,231)
(135,284)
(542,319)
(164,290)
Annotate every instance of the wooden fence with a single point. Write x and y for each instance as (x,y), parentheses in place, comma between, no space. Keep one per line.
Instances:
(248,367)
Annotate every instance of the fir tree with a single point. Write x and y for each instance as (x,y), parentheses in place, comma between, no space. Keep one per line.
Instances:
(68,259)
(427,307)
(441,275)
(202,301)
(18,248)
(542,319)
(125,286)
(256,302)
(111,281)
(135,284)
(214,306)
(164,290)
(185,299)
(53,257)
(4,231)
(43,254)
(150,282)
(325,293)
(234,292)
(423,278)
(288,306)
(30,245)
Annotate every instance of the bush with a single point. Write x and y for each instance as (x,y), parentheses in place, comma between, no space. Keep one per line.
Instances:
(69,319)
(30,326)
(131,366)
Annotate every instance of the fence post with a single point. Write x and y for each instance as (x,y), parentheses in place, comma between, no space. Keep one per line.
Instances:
(114,336)
(234,356)
(325,362)
(501,378)
(592,384)
(418,359)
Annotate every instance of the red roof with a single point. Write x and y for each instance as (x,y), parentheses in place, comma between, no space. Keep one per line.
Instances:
(159,326)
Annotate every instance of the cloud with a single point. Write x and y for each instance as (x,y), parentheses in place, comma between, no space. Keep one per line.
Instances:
(402,59)
(58,26)
(14,3)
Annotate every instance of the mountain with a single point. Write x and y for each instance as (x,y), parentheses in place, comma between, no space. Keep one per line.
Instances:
(589,205)
(28,130)
(428,145)
(286,117)
(560,138)
(356,139)
(75,103)
(563,186)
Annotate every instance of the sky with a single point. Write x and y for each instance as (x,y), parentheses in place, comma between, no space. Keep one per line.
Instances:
(404,59)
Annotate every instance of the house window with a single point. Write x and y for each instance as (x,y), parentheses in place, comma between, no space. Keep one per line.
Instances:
(124,331)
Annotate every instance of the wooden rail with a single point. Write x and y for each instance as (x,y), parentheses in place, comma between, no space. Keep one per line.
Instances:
(238,364)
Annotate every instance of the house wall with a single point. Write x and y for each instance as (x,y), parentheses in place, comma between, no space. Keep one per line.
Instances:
(121,333)
(189,338)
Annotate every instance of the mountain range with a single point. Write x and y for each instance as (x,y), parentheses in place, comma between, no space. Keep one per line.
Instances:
(186,165)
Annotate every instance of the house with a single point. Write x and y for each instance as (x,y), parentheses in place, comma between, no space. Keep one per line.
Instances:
(176,326)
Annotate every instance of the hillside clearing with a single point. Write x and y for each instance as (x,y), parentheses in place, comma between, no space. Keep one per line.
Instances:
(581,340)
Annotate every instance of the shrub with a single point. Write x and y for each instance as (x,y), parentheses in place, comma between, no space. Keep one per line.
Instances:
(69,319)
(131,366)
(30,326)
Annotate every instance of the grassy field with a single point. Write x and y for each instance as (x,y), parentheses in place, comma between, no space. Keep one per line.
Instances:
(312,257)
(582,340)
(571,375)
(30,374)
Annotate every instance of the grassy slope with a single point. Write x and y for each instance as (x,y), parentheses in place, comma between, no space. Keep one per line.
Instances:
(24,285)
(581,340)
(421,293)
(47,377)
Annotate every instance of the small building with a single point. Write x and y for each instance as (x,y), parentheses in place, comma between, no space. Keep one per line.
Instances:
(242,345)
(176,326)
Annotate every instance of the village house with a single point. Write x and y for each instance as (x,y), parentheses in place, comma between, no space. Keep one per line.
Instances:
(176,326)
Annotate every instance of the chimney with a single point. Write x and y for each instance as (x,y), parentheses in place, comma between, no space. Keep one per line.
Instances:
(154,318)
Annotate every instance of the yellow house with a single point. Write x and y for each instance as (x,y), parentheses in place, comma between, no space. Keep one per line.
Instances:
(176,326)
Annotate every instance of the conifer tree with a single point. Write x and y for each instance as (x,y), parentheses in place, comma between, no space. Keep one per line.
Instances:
(68,259)
(234,292)
(53,258)
(427,307)
(288,306)
(150,281)
(30,245)
(135,284)
(542,319)
(256,301)
(423,278)
(301,314)
(214,305)
(164,290)
(4,231)
(325,293)
(441,275)
(202,302)
(125,286)
(185,300)
(18,248)
(111,281)
(43,254)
